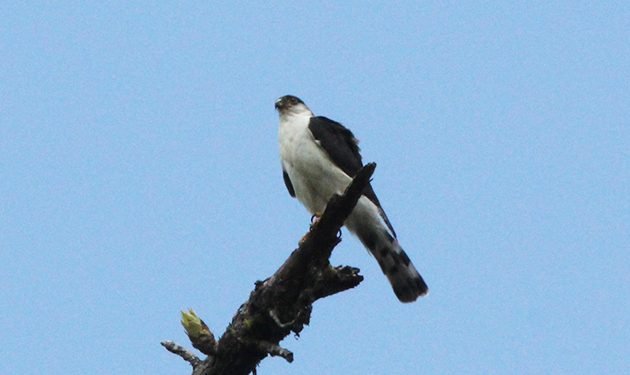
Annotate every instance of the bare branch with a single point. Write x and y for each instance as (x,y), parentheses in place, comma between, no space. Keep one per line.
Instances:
(283,303)
(273,350)
(182,352)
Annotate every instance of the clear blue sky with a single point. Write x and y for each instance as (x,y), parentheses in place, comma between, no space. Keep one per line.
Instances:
(139,175)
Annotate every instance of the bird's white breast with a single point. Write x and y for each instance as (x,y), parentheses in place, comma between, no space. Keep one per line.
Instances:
(314,176)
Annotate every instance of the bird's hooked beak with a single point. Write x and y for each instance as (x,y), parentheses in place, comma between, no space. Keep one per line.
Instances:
(281,104)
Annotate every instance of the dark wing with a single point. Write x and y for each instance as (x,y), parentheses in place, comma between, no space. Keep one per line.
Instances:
(343,149)
(287,182)
(338,142)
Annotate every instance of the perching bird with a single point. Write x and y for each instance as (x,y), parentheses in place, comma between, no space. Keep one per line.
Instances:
(319,159)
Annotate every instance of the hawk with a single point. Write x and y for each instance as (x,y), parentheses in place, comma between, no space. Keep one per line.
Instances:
(319,159)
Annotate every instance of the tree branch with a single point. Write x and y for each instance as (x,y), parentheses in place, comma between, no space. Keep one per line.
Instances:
(182,352)
(283,303)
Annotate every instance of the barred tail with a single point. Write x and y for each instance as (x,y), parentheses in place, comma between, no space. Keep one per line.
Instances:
(401,273)
(369,223)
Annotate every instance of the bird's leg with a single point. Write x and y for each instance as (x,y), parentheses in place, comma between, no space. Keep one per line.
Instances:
(314,220)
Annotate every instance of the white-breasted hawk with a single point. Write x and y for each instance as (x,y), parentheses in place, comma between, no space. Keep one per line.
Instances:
(319,159)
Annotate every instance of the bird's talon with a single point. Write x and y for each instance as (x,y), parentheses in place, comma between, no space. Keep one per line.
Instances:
(315,218)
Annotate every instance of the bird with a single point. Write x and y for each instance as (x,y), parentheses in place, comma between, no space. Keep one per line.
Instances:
(319,158)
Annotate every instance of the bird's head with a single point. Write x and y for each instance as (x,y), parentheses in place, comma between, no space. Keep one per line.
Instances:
(290,104)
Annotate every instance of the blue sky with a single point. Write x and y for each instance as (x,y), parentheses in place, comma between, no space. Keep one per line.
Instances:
(140,176)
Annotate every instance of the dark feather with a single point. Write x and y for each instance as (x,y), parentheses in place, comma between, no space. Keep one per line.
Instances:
(287,182)
(343,149)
